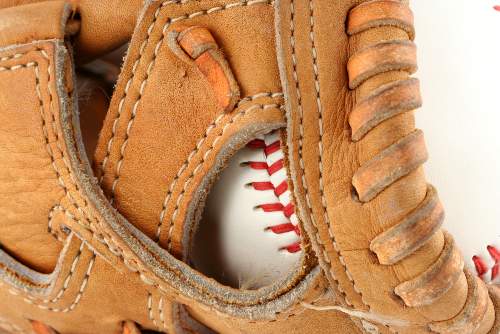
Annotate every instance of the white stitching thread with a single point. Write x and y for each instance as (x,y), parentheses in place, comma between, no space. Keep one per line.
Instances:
(320,152)
(78,296)
(209,129)
(51,219)
(80,291)
(301,143)
(4,324)
(16,67)
(108,240)
(162,312)
(15,56)
(150,310)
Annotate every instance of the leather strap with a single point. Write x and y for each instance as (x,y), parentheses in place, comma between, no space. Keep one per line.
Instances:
(383,103)
(379,13)
(382,57)
(411,233)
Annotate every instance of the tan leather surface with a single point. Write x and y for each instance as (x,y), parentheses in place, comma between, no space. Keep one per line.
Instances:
(30,184)
(51,25)
(96,36)
(106,239)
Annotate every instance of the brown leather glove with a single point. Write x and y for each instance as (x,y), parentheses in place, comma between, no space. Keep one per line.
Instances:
(103,247)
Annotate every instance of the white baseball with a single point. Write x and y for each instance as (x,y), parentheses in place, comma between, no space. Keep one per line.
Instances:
(459,70)
(248,236)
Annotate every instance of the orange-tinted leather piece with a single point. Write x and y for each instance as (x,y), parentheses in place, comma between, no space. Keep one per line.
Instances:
(435,282)
(196,40)
(382,57)
(471,316)
(40,328)
(160,95)
(377,13)
(411,233)
(383,103)
(323,157)
(199,44)
(130,327)
(390,165)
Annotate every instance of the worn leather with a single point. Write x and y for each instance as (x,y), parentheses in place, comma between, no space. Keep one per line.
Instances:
(100,248)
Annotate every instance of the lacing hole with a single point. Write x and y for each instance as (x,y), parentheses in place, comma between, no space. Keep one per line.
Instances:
(355,196)
(65,229)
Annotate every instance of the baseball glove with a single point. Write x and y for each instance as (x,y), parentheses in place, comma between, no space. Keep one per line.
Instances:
(101,198)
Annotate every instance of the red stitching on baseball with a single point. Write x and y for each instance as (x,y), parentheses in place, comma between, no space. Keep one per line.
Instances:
(497,8)
(482,267)
(256,144)
(274,147)
(282,228)
(280,190)
(258,165)
(278,165)
(262,186)
(495,255)
(271,207)
(289,209)
(293,248)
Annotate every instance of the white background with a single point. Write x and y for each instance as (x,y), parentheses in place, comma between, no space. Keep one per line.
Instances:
(459,69)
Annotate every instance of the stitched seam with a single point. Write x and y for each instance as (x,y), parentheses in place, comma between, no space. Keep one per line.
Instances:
(259,95)
(127,86)
(108,241)
(135,267)
(35,65)
(197,168)
(51,219)
(49,150)
(161,311)
(57,140)
(300,151)
(278,203)
(150,310)
(78,297)
(148,72)
(70,216)
(14,56)
(320,155)
(198,145)
(65,286)
(4,324)
(44,123)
